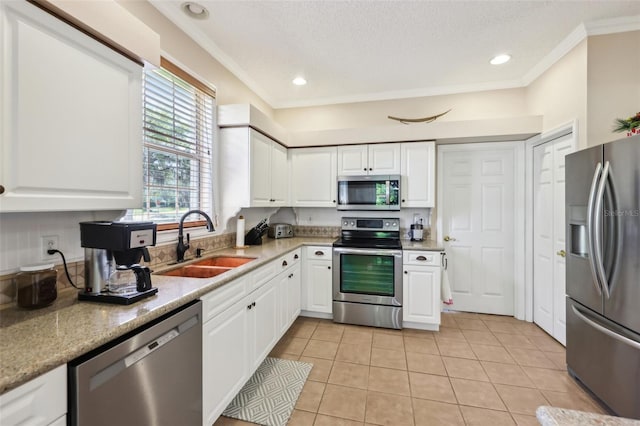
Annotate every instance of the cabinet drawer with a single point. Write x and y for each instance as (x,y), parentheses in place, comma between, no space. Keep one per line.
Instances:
(221,298)
(429,258)
(288,260)
(264,274)
(39,401)
(319,252)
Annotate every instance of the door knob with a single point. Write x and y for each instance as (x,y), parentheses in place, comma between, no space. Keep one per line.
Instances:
(448,238)
(562,253)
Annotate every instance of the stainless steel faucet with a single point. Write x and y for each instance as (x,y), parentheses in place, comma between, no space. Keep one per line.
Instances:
(182,247)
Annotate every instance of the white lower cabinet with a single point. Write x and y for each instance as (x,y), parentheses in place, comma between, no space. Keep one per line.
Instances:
(244,320)
(224,366)
(317,295)
(39,402)
(288,289)
(421,290)
(263,330)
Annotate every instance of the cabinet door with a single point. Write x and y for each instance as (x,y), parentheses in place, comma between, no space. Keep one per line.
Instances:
(421,291)
(313,177)
(318,285)
(418,174)
(282,301)
(352,160)
(71,118)
(279,175)
(260,169)
(384,159)
(225,345)
(37,402)
(264,323)
(293,294)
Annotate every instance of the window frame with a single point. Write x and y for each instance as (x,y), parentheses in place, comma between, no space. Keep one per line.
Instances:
(207,90)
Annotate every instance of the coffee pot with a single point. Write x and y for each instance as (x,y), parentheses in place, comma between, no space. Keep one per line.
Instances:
(113,251)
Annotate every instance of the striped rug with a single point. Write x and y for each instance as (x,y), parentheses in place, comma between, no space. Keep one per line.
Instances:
(270,395)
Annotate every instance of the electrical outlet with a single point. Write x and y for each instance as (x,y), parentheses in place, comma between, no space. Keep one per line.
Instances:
(48,242)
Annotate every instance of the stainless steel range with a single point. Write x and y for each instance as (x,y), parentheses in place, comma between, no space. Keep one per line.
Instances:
(367,273)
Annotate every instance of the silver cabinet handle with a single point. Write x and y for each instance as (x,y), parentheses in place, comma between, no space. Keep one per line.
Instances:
(590,227)
(605,330)
(598,231)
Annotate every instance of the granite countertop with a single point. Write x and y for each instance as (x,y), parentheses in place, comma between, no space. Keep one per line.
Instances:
(41,340)
(552,416)
(426,245)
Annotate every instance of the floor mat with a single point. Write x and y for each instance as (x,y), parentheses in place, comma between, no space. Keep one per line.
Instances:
(270,395)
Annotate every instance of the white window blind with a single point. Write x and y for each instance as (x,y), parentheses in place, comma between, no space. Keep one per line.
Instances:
(178,138)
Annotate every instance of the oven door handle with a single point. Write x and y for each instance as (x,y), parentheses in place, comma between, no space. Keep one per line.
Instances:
(367,251)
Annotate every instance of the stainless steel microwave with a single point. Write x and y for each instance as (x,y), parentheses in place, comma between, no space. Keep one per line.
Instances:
(373,192)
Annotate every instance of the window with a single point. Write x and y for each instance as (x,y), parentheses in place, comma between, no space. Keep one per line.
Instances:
(178,120)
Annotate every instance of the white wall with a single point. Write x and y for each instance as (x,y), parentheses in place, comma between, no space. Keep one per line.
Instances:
(560,93)
(464,106)
(613,83)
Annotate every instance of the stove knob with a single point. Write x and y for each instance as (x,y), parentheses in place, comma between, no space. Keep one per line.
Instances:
(345,223)
(386,224)
(394,224)
(353,224)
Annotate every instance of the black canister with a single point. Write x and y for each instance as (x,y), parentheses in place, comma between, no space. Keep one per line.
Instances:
(36,286)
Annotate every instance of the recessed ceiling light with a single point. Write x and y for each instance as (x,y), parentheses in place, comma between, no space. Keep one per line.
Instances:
(195,10)
(299,81)
(500,59)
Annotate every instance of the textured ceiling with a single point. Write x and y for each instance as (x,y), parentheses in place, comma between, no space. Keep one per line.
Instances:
(368,50)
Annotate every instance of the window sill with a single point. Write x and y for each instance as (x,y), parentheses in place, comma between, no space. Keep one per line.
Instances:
(171,236)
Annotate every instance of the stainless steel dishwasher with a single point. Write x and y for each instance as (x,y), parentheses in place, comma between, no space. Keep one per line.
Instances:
(149,377)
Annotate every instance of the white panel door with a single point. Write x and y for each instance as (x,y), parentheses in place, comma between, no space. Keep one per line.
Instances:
(384,159)
(260,170)
(549,243)
(279,175)
(418,174)
(478,222)
(352,160)
(318,280)
(421,291)
(313,177)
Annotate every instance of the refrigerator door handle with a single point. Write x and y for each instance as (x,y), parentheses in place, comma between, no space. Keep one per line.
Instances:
(605,330)
(590,227)
(598,231)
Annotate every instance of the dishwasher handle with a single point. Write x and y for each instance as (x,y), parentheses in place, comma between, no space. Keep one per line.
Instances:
(119,366)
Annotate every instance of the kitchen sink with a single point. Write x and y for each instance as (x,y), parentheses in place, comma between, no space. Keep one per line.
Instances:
(225,261)
(208,268)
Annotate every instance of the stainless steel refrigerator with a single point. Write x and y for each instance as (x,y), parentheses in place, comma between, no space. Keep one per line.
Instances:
(603,272)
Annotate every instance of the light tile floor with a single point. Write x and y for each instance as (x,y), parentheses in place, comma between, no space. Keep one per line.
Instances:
(477,370)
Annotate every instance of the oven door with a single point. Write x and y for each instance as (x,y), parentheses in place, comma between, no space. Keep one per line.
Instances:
(372,276)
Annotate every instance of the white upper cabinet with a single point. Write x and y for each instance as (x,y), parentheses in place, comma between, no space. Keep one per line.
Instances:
(373,159)
(313,177)
(418,174)
(384,159)
(253,167)
(70,115)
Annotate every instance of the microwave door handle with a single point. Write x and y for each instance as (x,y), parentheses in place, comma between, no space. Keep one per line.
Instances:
(598,231)
(590,227)
(388,189)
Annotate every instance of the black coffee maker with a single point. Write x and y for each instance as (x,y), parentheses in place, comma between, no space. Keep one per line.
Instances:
(112,255)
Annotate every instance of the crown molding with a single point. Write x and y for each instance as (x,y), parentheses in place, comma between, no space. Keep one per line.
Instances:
(580,33)
(615,25)
(185,24)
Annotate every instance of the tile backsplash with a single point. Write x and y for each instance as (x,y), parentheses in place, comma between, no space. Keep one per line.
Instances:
(160,255)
